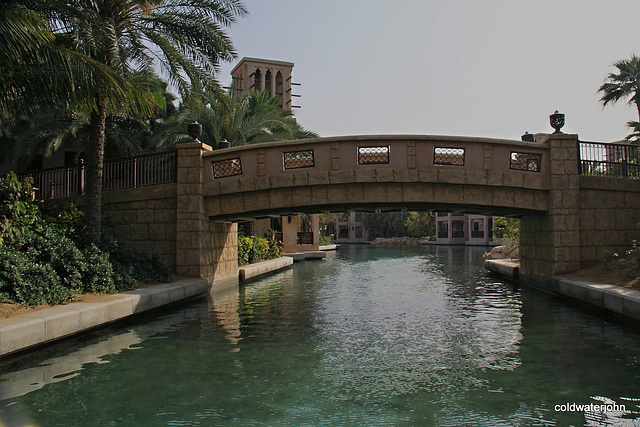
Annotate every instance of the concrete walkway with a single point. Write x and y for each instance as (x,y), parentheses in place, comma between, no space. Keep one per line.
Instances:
(622,302)
(42,326)
(250,271)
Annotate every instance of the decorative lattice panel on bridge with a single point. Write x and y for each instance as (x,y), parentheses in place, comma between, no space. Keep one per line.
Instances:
(525,161)
(224,168)
(448,156)
(373,155)
(298,159)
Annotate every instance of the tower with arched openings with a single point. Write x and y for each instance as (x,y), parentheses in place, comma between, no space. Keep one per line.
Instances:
(265,74)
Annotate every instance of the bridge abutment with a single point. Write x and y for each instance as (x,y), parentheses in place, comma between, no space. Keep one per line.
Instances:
(550,244)
(203,248)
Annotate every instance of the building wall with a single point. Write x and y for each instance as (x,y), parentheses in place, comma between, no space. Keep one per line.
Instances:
(353,229)
(291,225)
(459,229)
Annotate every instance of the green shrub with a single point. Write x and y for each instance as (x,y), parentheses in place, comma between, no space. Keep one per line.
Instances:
(507,228)
(44,257)
(18,211)
(259,250)
(254,249)
(27,282)
(100,277)
(326,240)
(245,244)
(276,248)
(61,253)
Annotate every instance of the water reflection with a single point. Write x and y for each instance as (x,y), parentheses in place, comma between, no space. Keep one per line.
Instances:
(400,329)
(396,337)
(225,306)
(16,380)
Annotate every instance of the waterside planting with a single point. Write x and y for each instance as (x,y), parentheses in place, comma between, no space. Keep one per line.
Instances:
(45,257)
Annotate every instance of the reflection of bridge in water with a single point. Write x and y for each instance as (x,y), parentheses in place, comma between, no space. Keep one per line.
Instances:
(573,210)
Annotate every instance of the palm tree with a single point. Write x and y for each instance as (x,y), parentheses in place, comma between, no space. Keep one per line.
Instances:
(36,70)
(45,129)
(249,118)
(185,38)
(624,84)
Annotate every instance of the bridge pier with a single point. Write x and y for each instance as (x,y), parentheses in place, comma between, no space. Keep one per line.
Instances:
(203,248)
(550,244)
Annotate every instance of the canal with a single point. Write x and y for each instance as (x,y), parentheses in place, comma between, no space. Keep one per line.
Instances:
(367,336)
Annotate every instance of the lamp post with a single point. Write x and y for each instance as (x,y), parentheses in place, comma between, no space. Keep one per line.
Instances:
(557,121)
(224,144)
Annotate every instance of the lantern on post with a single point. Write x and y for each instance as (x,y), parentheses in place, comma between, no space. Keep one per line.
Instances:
(557,121)
(195,131)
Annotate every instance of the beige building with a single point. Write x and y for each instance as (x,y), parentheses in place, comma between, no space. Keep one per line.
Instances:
(351,229)
(265,74)
(298,233)
(463,229)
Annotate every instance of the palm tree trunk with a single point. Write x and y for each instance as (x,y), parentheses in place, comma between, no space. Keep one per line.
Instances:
(95,158)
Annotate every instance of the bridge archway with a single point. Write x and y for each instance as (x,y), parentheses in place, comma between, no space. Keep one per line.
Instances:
(538,182)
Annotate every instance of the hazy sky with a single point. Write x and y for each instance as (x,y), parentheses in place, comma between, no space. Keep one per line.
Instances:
(458,67)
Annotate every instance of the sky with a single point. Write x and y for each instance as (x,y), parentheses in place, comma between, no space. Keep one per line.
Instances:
(484,68)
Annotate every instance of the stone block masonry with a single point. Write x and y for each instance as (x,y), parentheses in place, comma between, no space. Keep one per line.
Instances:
(607,228)
(203,248)
(144,219)
(550,244)
(568,220)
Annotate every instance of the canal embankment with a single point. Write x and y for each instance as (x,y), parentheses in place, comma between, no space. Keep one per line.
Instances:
(257,269)
(622,302)
(42,326)
(38,327)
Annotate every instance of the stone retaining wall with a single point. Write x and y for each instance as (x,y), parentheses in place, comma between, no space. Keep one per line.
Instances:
(609,227)
(145,219)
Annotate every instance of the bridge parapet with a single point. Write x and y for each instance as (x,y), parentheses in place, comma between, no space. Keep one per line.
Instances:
(372,170)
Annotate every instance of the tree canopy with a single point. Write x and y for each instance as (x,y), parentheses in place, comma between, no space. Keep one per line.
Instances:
(624,84)
(105,43)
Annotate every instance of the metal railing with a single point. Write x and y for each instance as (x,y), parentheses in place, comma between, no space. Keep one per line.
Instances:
(129,172)
(477,234)
(305,237)
(609,160)
(56,183)
(139,171)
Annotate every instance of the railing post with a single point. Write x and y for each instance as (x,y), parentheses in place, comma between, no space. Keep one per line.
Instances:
(67,183)
(135,172)
(80,176)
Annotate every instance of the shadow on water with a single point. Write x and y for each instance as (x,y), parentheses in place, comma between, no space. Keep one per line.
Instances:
(368,336)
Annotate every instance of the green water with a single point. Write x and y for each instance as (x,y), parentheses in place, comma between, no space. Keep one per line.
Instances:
(367,336)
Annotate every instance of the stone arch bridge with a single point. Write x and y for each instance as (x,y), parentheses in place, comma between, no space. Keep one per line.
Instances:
(568,219)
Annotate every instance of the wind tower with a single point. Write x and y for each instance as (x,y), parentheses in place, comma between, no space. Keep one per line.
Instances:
(301,234)
(266,74)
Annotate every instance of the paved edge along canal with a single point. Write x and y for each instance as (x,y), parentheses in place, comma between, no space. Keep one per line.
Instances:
(368,336)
